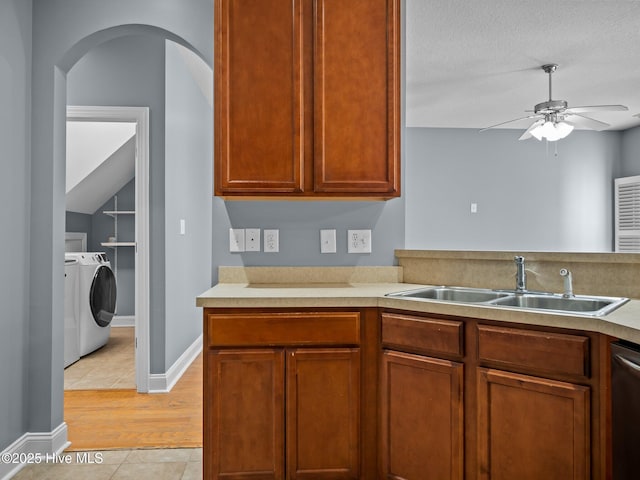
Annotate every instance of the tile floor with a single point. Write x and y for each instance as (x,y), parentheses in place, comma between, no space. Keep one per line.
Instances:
(152,464)
(112,366)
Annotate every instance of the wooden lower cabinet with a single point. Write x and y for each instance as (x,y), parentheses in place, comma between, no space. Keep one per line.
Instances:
(422,417)
(285,413)
(467,398)
(289,394)
(269,405)
(323,413)
(246,414)
(532,428)
(367,394)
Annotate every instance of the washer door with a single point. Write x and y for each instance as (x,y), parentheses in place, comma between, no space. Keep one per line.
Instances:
(102,296)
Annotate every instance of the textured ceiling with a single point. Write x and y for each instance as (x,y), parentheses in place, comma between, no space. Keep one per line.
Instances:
(472,64)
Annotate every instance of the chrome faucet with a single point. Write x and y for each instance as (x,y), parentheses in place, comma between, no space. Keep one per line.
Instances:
(521,275)
(568,283)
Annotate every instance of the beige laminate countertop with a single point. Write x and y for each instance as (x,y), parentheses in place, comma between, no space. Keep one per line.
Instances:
(623,323)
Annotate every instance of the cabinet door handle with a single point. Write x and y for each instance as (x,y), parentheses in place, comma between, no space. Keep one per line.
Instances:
(628,363)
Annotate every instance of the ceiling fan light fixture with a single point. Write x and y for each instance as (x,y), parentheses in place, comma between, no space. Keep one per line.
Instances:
(552,131)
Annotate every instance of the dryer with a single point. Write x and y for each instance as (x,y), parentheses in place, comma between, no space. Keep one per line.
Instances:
(96,300)
(71,333)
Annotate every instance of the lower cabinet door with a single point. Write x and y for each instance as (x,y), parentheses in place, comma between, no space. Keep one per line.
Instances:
(422,418)
(245,418)
(531,428)
(323,413)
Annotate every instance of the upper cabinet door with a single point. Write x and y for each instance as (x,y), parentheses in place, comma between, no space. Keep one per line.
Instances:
(356,96)
(307,98)
(258,97)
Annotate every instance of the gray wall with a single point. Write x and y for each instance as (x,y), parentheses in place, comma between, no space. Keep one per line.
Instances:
(630,152)
(188,190)
(63,31)
(300,223)
(15,98)
(79,223)
(528,198)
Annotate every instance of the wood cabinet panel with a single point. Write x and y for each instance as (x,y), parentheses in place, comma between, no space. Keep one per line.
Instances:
(259,96)
(545,352)
(422,417)
(425,335)
(323,419)
(356,109)
(244,421)
(307,99)
(532,428)
(283,329)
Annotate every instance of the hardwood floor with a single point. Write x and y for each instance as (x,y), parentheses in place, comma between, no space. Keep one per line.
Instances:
(121,419)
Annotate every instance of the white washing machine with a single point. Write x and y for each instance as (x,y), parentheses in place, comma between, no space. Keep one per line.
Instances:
(71,333)
(96,300)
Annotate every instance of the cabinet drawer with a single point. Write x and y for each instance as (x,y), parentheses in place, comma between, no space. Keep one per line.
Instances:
(516,348)
(428,335)
(272,329)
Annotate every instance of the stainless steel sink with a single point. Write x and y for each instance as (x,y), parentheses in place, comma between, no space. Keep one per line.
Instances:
(549,302)
(578,304)
(452,294)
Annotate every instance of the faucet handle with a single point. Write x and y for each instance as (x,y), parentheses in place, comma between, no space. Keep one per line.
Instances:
(518,259)
(568,283)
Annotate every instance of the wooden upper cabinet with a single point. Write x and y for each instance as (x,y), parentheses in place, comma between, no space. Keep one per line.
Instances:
(307,98)
(356,85)
(258,96)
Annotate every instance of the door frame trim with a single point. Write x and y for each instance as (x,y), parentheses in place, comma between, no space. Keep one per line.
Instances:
(139,116)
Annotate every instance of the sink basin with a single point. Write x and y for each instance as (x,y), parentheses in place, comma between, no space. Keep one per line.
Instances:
(452,294)
(578,304)
(549,302)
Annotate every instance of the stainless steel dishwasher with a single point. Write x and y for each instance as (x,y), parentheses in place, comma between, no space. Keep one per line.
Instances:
(625,410)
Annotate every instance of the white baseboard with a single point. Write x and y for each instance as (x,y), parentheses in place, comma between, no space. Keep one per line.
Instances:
(123,321)
(33,446)
(164,382)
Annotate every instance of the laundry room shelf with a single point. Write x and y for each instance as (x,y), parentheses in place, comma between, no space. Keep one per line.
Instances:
(113,213)
(118,244)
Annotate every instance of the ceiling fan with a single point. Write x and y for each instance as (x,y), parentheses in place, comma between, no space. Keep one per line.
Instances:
(554,118)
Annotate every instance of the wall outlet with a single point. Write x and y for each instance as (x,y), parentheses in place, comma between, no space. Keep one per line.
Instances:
(271,241)
(236,240)
(359,241)
(252,240)
(328,241)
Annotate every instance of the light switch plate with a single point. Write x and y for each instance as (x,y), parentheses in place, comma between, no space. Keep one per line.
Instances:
(271,240)
(252,240)
(359,241)
(236,240)
(328,241)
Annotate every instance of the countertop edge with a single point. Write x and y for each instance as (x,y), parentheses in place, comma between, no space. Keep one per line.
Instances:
(623,323)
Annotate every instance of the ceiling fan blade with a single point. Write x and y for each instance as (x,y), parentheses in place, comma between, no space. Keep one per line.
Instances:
(581,121)
(598,108)
(527,134)
(511,121)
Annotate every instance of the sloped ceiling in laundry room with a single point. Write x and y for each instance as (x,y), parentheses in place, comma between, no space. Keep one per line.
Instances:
(100,161)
